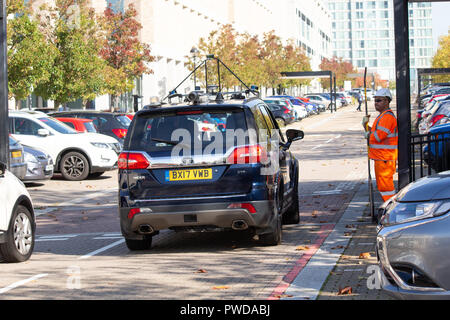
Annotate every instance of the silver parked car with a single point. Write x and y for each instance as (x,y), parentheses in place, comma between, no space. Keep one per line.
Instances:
(39,164)
(413,241)
(17,164)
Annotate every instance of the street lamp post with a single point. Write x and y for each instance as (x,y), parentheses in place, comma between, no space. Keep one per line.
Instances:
(4,139)
(194,52)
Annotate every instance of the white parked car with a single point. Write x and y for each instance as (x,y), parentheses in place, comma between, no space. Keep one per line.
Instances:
(75,155)
(17,223)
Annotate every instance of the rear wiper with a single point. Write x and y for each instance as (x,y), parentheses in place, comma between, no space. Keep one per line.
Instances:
(171,142)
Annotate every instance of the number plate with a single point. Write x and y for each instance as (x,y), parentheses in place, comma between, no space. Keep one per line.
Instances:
(191,174)
(16,154)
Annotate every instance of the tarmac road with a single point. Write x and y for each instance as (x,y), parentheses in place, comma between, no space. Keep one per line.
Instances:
(80,253)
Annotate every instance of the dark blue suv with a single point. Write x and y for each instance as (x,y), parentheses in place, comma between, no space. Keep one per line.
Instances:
(207,167)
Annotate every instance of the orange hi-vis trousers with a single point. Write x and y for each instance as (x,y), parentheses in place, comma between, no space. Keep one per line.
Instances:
(384,174)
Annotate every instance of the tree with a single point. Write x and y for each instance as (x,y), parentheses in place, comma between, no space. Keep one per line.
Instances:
(294,59)
(222,43)
(127,58)
(248,66)
(339,67)
(29,55)
(441,58)
(77,70)
(272,59)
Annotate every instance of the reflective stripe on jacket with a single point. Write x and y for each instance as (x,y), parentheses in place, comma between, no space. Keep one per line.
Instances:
(383,138)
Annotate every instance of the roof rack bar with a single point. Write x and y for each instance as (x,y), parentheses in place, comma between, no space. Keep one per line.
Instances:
(190,74)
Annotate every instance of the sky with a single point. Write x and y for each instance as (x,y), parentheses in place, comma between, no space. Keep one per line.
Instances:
(441,20)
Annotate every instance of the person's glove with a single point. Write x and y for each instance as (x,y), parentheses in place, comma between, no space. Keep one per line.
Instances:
(365,121)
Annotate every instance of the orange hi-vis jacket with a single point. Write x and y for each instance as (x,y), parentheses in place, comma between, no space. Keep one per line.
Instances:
(383,140)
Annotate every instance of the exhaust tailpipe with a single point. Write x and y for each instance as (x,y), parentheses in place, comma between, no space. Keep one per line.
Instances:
(239,225)
(145,229)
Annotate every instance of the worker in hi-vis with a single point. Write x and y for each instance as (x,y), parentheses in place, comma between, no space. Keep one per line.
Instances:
(383,143)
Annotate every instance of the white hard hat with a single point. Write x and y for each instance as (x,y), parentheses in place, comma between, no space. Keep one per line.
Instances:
(383,92)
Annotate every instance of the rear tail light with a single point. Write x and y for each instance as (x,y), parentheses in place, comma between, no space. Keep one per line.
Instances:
(120,133)
(286,109)
(132,161)
(247,206)
(436,119)
(247,154)
(133,212)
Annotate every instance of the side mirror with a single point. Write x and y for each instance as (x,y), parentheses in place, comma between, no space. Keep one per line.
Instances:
(2,169)
(43,132)
(294,135)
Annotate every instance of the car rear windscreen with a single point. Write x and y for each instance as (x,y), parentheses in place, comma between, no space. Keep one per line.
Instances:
(193,131)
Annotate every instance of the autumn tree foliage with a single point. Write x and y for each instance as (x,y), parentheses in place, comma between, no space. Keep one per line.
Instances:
(221,43)
(29,56)
(126,56)
(441,58)
(339,67)
(77,70)
(256,62)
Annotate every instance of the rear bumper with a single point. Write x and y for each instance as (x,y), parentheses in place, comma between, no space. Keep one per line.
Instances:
(19,170)
(216,215)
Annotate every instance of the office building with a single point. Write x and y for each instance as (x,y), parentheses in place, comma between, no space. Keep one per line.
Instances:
(363,33)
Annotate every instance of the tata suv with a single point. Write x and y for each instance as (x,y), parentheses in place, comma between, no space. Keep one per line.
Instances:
(207,167)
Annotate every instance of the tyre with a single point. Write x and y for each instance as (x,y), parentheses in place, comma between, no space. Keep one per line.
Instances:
(19,243)
(134,245)
(292,215)
(274,238)
(74,166)
(281,122)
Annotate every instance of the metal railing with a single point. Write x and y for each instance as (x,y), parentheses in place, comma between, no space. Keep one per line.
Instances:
(430,153)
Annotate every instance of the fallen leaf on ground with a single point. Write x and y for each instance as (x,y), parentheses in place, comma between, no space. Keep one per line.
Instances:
(346,290)
(221,287)
(299,248)
(365,255)
(201,271)
(85,218)
(338,247)
(350,226)
(279,296)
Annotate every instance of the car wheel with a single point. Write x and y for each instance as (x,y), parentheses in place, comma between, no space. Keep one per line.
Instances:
(144,244)
(281,122)
(74,166)
(274,238)
(292,215)
(20,236)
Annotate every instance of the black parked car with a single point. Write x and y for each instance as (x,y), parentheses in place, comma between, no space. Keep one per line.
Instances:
(282,115)
(238,174)
(109,123)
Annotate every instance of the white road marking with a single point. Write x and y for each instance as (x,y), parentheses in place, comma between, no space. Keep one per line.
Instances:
(93,253)
(51,239)
(327,192)
(110,237)
(22,282)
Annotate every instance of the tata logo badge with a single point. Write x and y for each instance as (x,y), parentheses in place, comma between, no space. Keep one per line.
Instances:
(187,161)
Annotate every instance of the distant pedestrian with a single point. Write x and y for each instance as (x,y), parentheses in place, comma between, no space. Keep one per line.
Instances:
(360,100)
(383,140)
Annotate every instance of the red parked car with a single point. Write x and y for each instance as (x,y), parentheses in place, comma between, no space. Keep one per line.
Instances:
(79,124)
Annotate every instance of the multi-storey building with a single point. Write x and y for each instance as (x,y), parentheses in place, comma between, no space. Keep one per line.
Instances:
(363,33)
(173,27)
